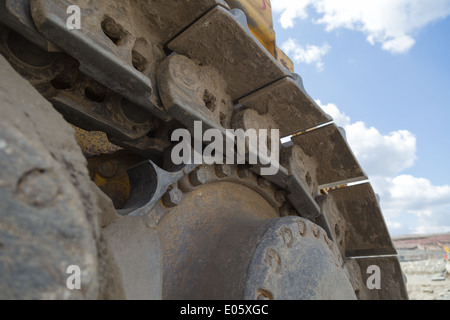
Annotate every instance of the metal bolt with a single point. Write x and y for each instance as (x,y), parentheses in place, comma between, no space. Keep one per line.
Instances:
(264,183)
(244,173)
(107,169)
(223,170)
(173,198)
(280,196)
(198,177)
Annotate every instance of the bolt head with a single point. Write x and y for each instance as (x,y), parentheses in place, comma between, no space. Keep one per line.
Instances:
(107,169)
(173,198)
(198,177)
(223,170)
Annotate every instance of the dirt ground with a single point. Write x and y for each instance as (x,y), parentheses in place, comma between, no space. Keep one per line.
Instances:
(425,280)
(422,262)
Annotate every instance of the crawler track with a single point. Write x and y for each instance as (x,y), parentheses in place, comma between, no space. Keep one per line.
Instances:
(136,71)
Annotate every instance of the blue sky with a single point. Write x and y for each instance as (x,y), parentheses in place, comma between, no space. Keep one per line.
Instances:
(381,68)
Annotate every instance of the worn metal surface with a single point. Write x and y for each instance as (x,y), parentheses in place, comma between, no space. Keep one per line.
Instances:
(392,280)
(301,185)
(194,93)
(190,92)
(213,243)
(234,174)
(135,245)
(148,184)
(16,14)
(121,41)
(356,222)
(206,242)
(220,230)
(78,97)
(34,63)
(330,158)
(294,260)
(49,216)
(109,62)
(102,111)
(217,39)
(288,104)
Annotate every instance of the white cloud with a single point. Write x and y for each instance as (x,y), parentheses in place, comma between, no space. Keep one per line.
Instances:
(414,205)
(290,10)
(393,24)
(379,154)
(309,54)
(410,204)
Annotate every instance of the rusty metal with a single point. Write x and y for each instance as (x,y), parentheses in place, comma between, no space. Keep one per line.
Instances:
(299,183)
(136,71)
(287,102)
(191,93)
(87,104)
(194,93)
(172,198)
(16,14)
(392,281)
(237,174)
(48,206)
(356,222)
(215,40)
(294,261)
(227,242)
(107,57)
(223,170)
(327,151)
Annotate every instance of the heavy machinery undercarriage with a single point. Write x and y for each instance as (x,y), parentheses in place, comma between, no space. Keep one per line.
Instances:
(109,198)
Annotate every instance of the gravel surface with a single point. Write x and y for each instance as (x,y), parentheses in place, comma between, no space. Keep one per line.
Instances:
(423,276)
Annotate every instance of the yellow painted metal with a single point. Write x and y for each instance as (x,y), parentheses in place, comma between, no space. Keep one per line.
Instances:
(260,22)
(116,186)
(107,174)
(284,60)
(259,16)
